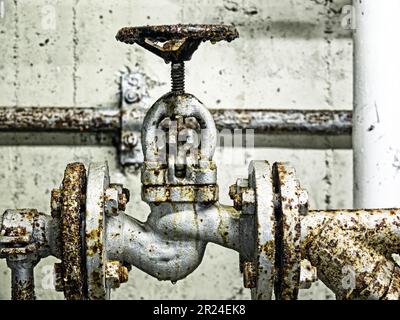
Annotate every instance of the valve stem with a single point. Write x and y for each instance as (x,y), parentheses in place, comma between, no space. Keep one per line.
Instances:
(178,77)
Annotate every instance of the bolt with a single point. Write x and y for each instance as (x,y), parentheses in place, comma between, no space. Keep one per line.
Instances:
(131,97)
(58,277)
(55,203)
(249,275)
(111,201)
(130,140)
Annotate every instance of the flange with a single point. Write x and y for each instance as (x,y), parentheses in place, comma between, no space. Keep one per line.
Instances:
(98,182)
(287,215)
(72,200)
(260,181)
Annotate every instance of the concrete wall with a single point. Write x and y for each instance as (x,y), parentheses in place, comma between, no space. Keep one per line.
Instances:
(290,54)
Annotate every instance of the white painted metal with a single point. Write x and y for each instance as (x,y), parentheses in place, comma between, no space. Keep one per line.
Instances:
(376,128)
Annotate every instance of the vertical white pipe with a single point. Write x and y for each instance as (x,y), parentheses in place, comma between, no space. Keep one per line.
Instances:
(376,124)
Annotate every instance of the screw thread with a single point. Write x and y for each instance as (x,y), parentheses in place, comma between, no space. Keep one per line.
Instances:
(178,77)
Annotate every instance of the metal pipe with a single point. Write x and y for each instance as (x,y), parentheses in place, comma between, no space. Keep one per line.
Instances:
(377,228)
(22,280)
(313,122)
(376,131)
(59,119)
(352,249)
(171,243)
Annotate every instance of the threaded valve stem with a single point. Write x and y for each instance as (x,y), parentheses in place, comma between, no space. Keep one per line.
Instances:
(178,77)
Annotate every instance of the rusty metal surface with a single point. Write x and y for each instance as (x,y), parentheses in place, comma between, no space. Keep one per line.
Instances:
(176,43)
(73,192)
(59,119)
(393,293)
(352,251)
(287,215)
(314,122)
(203,32)
(285,121)
(22,280)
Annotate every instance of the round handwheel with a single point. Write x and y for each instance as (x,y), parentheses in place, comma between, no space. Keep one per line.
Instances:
(202,32)
(72,196)
(178,41)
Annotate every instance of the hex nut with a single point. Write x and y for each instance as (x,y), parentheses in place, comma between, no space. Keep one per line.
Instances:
(111,201)
(123,195)
(236,192)
(115,273)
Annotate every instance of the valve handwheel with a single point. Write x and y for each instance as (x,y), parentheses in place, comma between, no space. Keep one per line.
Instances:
(179,41)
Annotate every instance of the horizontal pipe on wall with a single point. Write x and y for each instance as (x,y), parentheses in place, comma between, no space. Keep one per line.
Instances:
(55,119)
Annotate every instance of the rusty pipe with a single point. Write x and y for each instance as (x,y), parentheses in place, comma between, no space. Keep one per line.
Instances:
(90,119)
(378,228)
(352,249)
(22,279)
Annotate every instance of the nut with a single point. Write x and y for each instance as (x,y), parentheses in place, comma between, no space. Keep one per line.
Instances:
(123,195)
(116,273)
(111,201)
(236,192)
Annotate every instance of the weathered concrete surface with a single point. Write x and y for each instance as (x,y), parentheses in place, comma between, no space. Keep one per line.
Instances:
(291,54)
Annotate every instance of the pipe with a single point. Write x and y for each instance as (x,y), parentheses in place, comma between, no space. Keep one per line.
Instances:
(377,228)
(171,243)
(54,119)
(59,119)
(22,279)
(376,131)
(352,251)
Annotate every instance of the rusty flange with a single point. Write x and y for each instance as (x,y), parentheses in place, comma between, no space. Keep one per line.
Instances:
(260,181)
(287,214)
(73,190)
(98,182)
